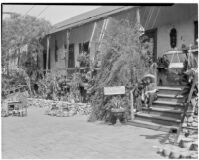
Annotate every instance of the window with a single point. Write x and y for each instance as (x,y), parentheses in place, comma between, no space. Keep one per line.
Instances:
(56,51)
(84,47)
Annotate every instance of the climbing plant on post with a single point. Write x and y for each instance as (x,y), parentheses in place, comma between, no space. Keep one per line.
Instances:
(124,62)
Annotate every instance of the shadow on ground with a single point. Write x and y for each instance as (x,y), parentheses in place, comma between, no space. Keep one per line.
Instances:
(162,138)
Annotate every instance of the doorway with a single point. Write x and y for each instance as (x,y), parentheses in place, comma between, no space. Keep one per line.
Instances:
(152,37)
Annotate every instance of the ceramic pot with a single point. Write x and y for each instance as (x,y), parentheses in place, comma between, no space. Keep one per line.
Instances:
(166,152)
(194,147)
(185,143)
(175,155)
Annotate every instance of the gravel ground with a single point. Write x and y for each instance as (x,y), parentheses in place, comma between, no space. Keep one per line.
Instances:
(42,136)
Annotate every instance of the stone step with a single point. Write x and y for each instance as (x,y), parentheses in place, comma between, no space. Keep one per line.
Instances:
(170,97)
(172,107)
(157,119)
(169,110)
(150,125)
(162,95)
(174,88)
(169,90)
(168,103)
(164,112)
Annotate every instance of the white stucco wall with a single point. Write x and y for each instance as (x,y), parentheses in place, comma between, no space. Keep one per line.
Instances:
(78,35)
(185,35)
(183,21)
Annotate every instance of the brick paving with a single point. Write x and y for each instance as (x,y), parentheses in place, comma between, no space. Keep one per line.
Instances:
(42,136)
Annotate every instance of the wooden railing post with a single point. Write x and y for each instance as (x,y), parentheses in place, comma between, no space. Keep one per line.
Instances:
(132,104)
(186,108)
(131,96)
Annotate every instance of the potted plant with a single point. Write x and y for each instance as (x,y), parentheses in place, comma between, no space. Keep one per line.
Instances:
(84,59)
(117,110)
(162,62)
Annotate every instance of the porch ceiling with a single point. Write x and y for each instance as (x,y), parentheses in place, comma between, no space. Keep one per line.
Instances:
(167,14)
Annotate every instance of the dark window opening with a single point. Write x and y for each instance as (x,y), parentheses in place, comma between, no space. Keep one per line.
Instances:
(151,36)
(71,62)
(49,60)
(84,47)
(44,59)
(195,32)
(56,51)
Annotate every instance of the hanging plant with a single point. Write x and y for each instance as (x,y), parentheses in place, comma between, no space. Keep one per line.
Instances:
(163,62)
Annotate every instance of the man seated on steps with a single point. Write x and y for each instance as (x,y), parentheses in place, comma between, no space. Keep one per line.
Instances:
(145,92)
(150,93)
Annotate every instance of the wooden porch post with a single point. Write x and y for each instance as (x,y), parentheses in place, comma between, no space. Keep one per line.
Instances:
(138,15)
(132,111)
(47,60)
(67,49)
(131,92)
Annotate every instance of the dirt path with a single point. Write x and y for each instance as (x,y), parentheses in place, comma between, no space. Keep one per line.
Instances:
(42,136)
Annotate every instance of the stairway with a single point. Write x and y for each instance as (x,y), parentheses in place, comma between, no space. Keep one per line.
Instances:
(165,113)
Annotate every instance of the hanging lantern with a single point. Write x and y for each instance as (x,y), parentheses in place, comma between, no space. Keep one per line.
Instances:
(173,38)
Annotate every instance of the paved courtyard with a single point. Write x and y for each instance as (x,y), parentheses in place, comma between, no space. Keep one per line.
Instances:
(42,136)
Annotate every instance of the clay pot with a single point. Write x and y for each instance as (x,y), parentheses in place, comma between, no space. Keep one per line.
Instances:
(190,119)
(184,125)
(185,143)
(66,114)
(166,152)
(159,150)
(194,124)
(184,155)
(194,147)
(194,156)
(175,155)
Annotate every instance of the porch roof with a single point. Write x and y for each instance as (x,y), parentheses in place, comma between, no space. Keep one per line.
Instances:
(88,17)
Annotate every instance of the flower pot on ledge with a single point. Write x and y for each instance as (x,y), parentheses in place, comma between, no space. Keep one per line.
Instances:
(118,115)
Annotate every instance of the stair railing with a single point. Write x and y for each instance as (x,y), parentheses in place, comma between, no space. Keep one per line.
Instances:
(186,108)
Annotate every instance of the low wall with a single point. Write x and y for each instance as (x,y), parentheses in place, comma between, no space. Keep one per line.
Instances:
(76,108)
